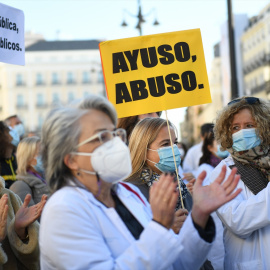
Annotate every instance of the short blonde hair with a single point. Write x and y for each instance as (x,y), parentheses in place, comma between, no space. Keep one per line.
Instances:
(26,151)
(144,133)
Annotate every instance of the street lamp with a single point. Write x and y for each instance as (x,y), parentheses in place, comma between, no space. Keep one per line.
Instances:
(140,17)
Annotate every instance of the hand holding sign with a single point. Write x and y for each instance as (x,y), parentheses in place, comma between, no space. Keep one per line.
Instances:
(153,73)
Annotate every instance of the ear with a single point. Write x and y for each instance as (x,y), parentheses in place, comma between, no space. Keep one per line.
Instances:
(33,161)
(70,162)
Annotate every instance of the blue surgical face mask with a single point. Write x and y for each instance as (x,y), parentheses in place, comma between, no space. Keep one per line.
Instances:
(245,139)
(166,160)
(15,136)
(39,166)
(20,129)
(222,154)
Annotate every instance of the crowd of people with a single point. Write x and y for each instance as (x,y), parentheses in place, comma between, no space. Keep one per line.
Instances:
(97,192)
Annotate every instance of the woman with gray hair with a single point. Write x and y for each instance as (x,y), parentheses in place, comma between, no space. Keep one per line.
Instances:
(95,221)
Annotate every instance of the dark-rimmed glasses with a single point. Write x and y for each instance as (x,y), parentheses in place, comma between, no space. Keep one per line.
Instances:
(249,100)
(107,135)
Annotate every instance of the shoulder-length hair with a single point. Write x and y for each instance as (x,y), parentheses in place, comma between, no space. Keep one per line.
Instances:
(206,153)
(260,111)
(99,103)
(4,139)
(26,151)
(144,133)
(60,136)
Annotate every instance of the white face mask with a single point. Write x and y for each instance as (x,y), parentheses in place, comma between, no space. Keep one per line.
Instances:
(111,161)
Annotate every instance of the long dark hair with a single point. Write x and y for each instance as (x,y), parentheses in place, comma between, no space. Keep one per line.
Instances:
(208,141)
(4,139)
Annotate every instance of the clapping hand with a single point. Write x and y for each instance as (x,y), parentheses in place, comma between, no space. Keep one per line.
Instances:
(163,198)
(3,216)
(25,216)
(179,217)
(209,198)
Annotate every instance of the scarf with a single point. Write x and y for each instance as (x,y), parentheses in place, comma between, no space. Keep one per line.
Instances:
(149,179)
(257,157)
(214,161)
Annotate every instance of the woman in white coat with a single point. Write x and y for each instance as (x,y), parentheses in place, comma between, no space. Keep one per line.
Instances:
(207,163)
(243,128)
(93,221)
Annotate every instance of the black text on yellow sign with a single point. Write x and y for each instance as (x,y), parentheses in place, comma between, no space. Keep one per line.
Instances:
(168,73)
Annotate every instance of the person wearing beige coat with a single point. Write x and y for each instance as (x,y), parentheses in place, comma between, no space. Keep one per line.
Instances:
(18,231)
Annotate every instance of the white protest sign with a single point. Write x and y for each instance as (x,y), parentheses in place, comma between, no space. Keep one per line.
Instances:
(11,35)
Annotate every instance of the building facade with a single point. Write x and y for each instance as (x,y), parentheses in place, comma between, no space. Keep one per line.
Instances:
(256,55)
(56,73)
(198,115)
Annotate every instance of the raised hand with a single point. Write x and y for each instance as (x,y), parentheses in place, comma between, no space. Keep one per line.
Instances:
(188,176)
(27,215)
(163,198)
(179,217)
(3,216)
(209,198)
(190,185)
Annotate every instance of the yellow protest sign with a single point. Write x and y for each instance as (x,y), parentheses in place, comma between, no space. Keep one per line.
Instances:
(155,73)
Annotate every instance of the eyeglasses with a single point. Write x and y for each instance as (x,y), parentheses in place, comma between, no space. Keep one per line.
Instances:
(107,135)
(249,100)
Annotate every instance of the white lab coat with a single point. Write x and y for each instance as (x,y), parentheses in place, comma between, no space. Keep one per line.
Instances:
(192,158)
(246,221)
(217,252)
(79,232)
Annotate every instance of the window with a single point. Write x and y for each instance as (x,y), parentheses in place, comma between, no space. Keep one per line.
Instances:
(86,77)
(40,100)
(70,78)
(100,77)
(56,98)
(19,79)
(39,79)
(71,96)
(55,78)
(20,101)
(40,121)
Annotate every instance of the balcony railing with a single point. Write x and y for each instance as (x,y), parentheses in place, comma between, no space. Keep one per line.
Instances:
(264,60)
(41,105)
(21,106)
(258,88)
(40,83)
(20,83)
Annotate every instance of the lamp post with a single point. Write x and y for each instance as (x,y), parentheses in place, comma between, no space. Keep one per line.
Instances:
(234,85)
(140,17)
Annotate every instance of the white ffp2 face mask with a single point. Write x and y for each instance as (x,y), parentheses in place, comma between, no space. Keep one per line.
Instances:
(111,161)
